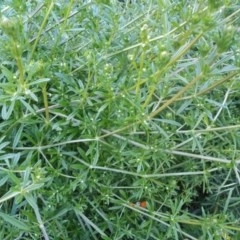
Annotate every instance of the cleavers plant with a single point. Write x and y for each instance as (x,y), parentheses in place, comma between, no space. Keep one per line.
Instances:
(119,120)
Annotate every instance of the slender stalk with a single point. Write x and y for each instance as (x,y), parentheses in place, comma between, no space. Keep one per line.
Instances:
(41,29)
(45,100)
(19,62)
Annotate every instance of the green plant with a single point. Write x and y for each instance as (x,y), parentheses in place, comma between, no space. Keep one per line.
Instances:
(104,105)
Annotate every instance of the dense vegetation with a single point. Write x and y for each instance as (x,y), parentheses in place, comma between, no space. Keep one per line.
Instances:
(119,120)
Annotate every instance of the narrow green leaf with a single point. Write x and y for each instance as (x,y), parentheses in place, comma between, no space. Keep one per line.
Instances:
(41,80)
(28,107)
(31,201)
(9,195)
(3,145)
(15,222)
(3,180)
(59,213)
(8,74)
(90,223)
(7,111)
(17,136)
(34,186)
(14,178)
(7,156)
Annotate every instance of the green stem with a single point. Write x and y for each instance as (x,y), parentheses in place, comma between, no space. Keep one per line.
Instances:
(45,100)
(19,63)
(41,28)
